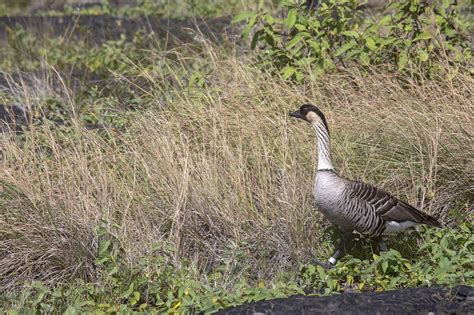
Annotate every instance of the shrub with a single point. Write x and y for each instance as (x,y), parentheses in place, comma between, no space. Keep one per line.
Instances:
(409,35)
(156,284)
(449,261)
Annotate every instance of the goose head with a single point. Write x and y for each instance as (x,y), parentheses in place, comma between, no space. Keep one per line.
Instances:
(311,114)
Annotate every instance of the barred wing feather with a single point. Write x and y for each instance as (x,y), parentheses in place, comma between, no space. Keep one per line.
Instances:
(387,206)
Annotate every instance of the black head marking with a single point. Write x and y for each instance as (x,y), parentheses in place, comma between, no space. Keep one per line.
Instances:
(305,109)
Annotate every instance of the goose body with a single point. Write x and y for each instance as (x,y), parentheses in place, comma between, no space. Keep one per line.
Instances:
(355,205)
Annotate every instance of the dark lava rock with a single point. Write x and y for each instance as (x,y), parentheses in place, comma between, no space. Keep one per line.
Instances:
(421,300)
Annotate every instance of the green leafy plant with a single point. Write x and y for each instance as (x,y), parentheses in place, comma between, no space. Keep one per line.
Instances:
(156,284)
(450,262)
(410,34)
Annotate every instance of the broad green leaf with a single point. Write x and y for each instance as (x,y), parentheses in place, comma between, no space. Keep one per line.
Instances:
(102,260)
(314,45)
(393,282)
(300,27)
(364,57)
(299,76)
(135,299)
(423,56)
(344,48)
(242,16)
(321,272)
(350,33)
(319,68)
(287,72)
(249,26)
(444,243)
(386,41)
(371,43)
(305,62)
(101,231)
(104,247)
(439,19)
(314,24)
(325,44)
(296,39)
(423,36)
(332,283)
(386,20)
(329,64)
(269,19)
(350,279)
(255,39)
(40,297)
(291,18)
(353,52)
(71,310)
(294,52)
(113,271)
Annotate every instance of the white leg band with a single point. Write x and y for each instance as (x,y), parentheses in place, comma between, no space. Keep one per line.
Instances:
(332,260)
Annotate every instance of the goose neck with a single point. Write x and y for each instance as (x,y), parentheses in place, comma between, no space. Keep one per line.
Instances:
(324,148)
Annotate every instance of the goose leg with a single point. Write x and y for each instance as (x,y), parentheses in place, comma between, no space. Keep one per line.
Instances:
(382,246)
(325,265)
(340,250)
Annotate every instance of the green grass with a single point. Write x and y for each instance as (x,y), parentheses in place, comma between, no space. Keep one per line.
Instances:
(195,193)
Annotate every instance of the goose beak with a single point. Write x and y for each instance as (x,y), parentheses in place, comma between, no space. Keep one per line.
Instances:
(296,114)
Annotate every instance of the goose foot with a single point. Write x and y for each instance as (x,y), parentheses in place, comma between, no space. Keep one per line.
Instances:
(325,265)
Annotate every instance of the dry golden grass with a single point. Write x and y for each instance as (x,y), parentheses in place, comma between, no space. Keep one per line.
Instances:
(225,168)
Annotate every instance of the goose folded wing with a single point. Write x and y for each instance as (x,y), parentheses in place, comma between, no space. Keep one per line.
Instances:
(389,207)
(404,212)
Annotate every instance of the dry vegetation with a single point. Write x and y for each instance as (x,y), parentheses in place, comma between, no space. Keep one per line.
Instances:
(221,170)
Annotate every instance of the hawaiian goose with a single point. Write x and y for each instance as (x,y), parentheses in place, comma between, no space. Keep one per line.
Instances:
(354,205)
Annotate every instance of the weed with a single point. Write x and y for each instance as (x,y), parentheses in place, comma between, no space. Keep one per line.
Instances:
(410,36)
